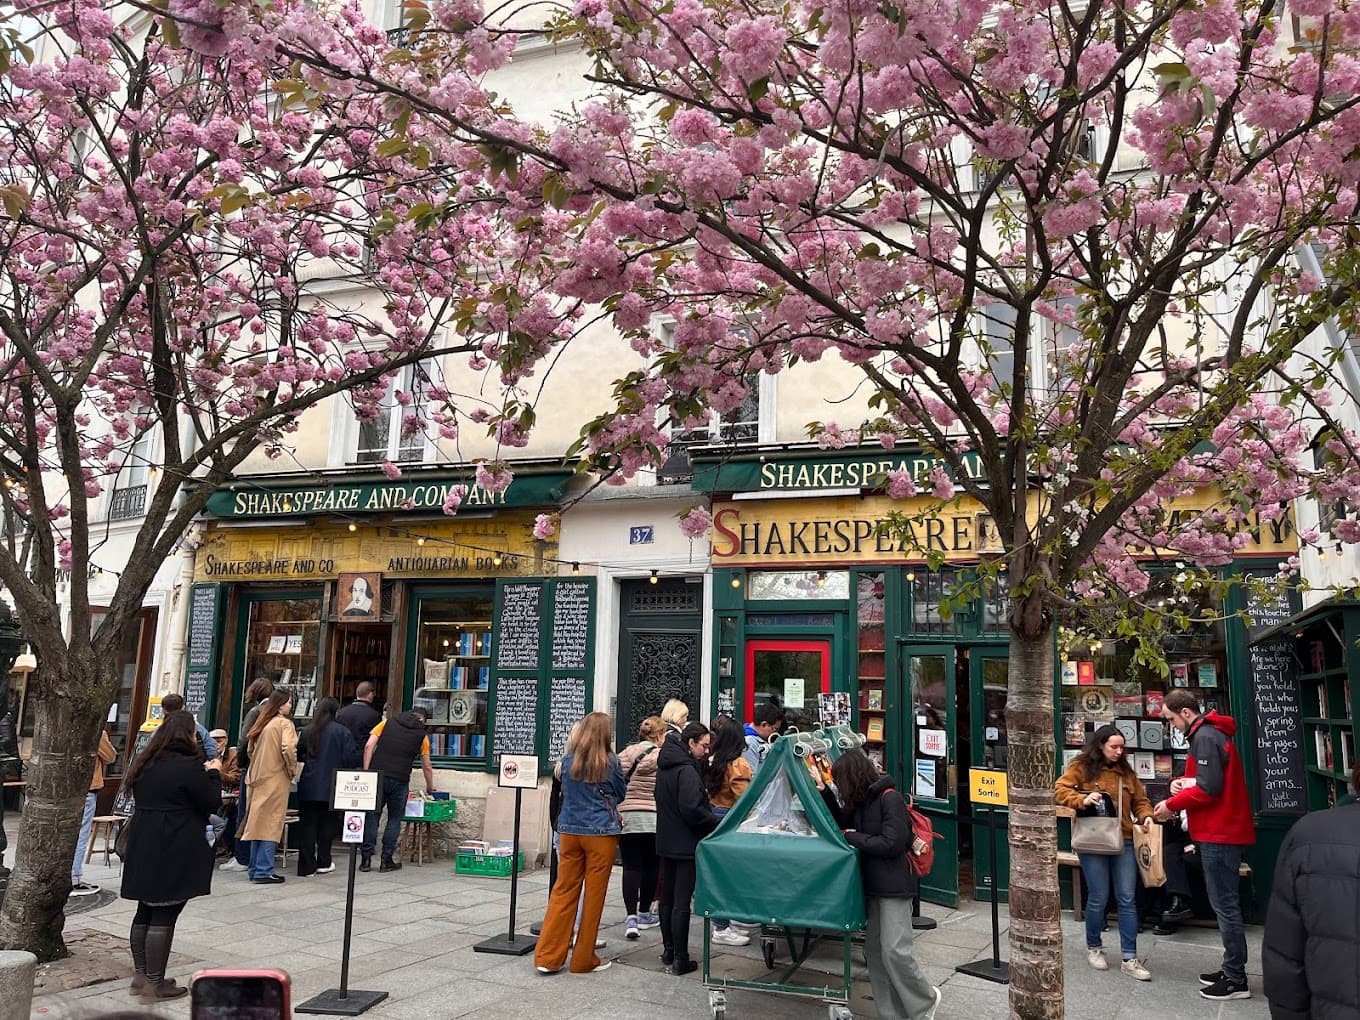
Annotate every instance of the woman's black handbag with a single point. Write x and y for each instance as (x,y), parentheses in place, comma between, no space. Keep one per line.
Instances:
(120,842)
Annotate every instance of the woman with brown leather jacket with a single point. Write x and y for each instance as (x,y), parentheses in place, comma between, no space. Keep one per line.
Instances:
(1100,779)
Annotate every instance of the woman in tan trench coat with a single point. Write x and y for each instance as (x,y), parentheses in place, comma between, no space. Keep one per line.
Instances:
(273,767)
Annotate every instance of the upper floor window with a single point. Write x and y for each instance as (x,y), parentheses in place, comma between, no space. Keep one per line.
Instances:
(748,424)
(128,498)
(393,434)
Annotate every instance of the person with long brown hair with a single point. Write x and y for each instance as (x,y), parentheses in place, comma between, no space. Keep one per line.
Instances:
(273,767)
(1100,779)
(589,827)
(327,747)
(167,861)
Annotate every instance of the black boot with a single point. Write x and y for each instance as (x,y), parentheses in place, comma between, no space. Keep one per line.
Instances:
(137,944)
(667,940)
(157,987)
(1177,910)
(388,864)
(365,862)
(680,942)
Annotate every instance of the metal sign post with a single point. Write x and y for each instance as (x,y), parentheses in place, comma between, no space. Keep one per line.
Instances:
(355,793)
(518,772)
(988,789)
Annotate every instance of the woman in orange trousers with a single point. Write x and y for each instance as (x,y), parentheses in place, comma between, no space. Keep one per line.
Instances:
(589,827)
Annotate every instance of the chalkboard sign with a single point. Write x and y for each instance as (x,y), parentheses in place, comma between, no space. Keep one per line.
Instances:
(571,625)
(1280,779)
(566,707)
(123,803)
(517,638)
(516,716)
(1267,609)
(201,657)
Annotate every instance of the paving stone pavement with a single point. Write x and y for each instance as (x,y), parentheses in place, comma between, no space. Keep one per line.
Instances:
(414,931)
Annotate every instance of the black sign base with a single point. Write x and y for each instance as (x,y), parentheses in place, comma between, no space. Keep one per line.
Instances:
(333,1002)
(988,970)
(502,946)
(922,923)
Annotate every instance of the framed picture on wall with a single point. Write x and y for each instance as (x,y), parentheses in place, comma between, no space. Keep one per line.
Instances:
(358,596)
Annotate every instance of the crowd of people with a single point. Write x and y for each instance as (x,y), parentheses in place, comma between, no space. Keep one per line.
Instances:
(654,801)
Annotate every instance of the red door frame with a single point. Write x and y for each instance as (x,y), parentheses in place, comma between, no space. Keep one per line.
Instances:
(822,645)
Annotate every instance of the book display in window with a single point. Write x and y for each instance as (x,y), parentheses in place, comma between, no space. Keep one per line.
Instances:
(282,645)
(873,661)
(453,673)
(1328,721)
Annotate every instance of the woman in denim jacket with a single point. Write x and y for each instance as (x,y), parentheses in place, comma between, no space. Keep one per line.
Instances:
(589,826)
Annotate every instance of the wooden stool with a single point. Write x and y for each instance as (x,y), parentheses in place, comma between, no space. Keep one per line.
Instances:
(419,839)
(103,824)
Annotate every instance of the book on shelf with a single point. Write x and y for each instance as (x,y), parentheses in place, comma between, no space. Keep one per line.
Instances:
(1086,673)
(1128,729)
(483,678)
(476,744)
(458,678)
(1347,741)
(876,756)
(875,729)
(1323,708)
(875,699)
(1322,745)
(1154,701)
(1129,706)
(1161,766)
(1180,674)
(1144,766)
(466,642)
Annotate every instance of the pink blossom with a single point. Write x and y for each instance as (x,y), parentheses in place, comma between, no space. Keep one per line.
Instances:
(695,522)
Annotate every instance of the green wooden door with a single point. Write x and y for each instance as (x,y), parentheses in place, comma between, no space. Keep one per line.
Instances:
(927,686)
(987,688)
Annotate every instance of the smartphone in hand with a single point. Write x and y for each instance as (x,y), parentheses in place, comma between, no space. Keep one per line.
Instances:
(239,995)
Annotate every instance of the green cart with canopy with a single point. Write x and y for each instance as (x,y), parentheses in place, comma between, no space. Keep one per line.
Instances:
(779,860)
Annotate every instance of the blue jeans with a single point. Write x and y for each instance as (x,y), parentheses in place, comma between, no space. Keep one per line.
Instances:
(721,923)
(262,857)
(242,847)
(1099,871)
(1220,862)
(83,840)
(394,800)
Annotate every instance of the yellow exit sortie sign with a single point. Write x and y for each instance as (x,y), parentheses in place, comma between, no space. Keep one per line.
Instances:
(987,786)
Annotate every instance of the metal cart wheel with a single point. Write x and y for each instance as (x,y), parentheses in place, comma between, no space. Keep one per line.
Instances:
(717,1003)
(838,1012)
(767,951)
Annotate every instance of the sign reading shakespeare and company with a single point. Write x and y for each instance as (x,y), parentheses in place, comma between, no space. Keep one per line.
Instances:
(845,529)
(500,546)
(418,494)
(773,473)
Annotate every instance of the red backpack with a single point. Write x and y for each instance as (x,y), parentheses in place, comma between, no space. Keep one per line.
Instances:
(921,850)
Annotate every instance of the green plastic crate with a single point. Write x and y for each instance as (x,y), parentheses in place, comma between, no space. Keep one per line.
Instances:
(486,866)
(438,811)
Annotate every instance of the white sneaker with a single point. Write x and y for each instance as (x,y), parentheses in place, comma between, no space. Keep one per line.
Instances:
(630,930)
(727,937)
(1096,958)
(604,966)
(232,865)
(930,1013)
(326,870)
(1135,969)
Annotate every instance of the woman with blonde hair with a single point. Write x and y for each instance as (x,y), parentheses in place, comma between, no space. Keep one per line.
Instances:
(272,742)
(589,827)
(675,714)
(637,845)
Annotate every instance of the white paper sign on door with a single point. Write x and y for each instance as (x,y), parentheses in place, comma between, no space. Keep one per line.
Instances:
(933,743)
(793,692)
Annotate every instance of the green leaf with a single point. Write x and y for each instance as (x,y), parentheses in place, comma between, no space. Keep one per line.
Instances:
(392,147)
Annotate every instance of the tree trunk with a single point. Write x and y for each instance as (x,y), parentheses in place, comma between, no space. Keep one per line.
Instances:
(67,720)
(1036,990)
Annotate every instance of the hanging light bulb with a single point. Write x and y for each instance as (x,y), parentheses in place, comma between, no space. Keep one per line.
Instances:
(654,577)
(287,504)
(576,568)
(420,540)
(353,526)
(911,576)
(496,560)
(736,580)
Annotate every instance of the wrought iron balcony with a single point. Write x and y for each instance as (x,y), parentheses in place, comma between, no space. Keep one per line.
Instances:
(128,502)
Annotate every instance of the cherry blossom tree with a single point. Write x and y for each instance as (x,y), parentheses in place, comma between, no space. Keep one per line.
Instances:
(1062,237)
(197,243)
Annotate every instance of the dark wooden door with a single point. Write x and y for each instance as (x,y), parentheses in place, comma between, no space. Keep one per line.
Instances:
(660,650)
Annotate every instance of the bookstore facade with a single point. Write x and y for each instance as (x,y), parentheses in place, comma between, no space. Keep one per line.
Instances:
(810,601)
(318,588)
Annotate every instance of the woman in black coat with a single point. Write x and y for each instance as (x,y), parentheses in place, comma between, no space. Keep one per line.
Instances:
(326,747)
(168,859)
(874,816)
(683,817)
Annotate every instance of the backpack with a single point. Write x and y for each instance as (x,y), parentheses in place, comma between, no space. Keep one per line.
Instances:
(921,851)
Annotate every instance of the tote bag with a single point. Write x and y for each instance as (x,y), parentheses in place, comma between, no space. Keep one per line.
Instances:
(1100,834)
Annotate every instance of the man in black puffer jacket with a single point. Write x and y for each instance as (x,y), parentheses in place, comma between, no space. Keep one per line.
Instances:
(683,817)
(1312,939)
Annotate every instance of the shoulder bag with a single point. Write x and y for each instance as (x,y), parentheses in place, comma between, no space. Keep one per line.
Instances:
(1100,834)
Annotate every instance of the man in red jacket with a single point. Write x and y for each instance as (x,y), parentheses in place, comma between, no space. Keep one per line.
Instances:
(1213,795)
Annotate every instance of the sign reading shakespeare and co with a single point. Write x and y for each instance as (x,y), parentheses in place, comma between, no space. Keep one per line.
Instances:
(457,547)
(987,786)
(414,494)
